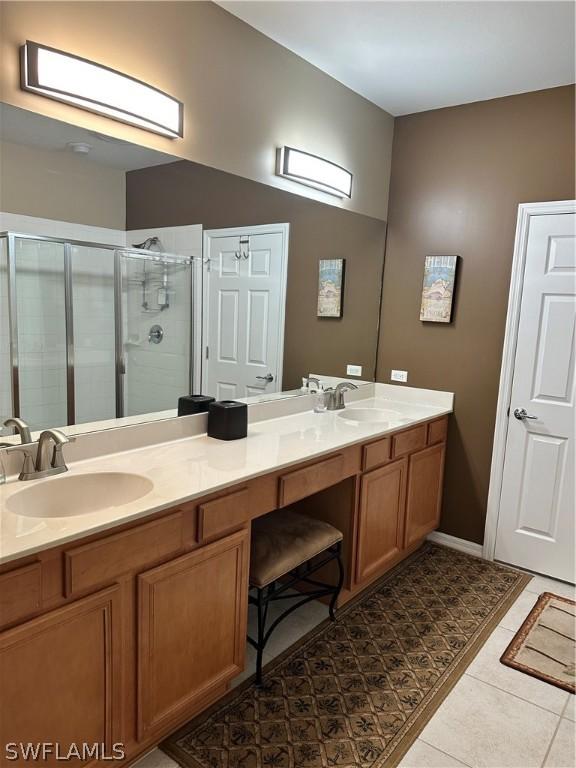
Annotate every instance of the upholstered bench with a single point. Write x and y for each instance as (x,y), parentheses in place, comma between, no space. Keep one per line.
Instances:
(287,548)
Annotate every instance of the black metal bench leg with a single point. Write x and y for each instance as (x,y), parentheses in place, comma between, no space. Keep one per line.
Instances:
(339,586)
(260,607)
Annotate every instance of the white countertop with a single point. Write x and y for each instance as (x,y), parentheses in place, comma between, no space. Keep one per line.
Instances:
(191,467)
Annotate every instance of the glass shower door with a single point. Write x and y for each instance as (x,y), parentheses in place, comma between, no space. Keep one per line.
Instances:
(5,359)
(94,333)
(41,332)
(156,299)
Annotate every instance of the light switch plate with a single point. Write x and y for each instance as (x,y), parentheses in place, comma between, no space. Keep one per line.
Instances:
(399,375)
(353,370)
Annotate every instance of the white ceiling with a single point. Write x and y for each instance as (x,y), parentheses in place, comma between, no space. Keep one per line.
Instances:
(20,126)
(412,56)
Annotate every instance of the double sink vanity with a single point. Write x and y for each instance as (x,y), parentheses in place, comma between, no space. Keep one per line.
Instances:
(124,581)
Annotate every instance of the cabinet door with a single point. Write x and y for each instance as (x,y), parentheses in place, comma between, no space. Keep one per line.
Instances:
(59,678)
(424,496)
(191,630)
(381,519)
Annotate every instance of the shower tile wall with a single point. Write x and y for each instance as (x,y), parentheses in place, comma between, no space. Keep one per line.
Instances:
(157,374)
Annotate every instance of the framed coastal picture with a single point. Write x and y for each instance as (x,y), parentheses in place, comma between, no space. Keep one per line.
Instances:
(438,289)
(330,287)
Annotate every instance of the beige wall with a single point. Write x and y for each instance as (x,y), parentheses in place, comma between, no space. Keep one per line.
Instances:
(244,94)
(54,184)
(458,176)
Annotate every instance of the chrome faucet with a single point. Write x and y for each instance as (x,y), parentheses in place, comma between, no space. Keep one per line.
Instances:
(311,380)
(41,467)
(57,464)
(25,446)
(335,396)
(21,428)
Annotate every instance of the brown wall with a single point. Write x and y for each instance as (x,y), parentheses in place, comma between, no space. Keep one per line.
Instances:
(188,193)
(53,184)
(458,175)
(243,93)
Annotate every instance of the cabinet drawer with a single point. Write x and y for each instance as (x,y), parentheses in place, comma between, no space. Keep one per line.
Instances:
(221,515)
(304,482)
(409,441)
(20,592)
(437,431)
(375,454)
(101,561)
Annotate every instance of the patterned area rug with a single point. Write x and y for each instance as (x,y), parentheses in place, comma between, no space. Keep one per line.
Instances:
(355,693)
(545,646)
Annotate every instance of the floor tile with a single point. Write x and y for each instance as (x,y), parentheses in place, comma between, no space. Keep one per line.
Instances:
(249,669)
(422,755)
(563,751)
(541,584)
(488,668)
(156,759)
(293,628)
(569,711)
(518,612)
(488,728)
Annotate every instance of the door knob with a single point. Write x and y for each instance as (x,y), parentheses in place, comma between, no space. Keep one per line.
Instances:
(268,378)
(521,414)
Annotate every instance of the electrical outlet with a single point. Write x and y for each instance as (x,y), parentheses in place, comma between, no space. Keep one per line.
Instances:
(399,375)
(353,370)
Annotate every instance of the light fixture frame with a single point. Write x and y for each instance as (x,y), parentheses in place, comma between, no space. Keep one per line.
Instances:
(282,170)
(29,81)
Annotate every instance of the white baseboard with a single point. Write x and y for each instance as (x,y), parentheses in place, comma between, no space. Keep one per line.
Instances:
(470,547)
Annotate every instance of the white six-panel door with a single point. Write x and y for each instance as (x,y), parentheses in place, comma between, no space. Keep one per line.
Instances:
(245,283)
(537,506)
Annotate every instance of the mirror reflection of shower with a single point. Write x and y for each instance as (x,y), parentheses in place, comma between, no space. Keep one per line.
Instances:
(155,311)
(91,331)
(162,297)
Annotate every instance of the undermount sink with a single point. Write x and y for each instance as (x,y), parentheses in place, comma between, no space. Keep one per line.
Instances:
(367,415)
(78,494)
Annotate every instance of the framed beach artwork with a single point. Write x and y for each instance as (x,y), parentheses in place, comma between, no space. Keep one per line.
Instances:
(438,289)
(330,287)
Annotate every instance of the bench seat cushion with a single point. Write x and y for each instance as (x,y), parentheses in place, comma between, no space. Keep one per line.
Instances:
(283,540)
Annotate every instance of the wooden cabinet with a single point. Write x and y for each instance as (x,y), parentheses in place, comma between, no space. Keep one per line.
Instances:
(191,630)
(126,634)
(424,493)
(380,519)
(59,676)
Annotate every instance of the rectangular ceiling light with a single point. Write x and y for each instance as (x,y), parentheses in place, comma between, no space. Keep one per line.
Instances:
(83,83)
(314,171)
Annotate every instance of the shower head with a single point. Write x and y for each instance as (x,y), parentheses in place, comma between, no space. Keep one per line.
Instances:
(148,243)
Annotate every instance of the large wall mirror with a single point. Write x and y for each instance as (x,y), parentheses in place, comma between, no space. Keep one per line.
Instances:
(129,278)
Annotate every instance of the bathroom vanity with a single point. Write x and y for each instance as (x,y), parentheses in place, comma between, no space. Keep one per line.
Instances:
(131,621)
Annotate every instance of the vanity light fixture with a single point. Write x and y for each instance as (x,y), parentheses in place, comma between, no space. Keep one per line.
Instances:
(314,171)
(73,80)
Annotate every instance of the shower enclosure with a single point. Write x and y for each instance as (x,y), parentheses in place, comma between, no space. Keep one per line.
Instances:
(90,331)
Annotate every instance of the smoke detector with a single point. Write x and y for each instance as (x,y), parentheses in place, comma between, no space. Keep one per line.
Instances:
(79,147)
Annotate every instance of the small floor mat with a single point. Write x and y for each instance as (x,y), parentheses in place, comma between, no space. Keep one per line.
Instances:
(544,646)
(355,693)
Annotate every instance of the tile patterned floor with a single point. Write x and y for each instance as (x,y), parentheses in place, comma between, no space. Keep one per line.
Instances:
(495,717)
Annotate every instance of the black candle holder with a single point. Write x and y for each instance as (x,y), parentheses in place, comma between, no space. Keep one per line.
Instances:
(227,420)
(190,404)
